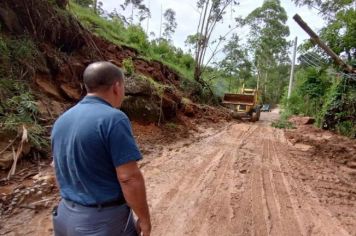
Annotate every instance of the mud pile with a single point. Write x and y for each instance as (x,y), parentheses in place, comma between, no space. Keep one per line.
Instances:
(324,145)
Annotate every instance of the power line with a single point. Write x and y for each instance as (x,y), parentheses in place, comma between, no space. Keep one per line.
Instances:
(313,60)
(307,61)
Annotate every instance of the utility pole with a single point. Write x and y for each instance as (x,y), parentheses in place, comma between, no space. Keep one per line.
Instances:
(292,69)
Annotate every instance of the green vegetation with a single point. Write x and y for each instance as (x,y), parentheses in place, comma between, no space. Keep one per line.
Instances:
(17,57)
(321,90)
(19,109)
(128,66)
(18,106)
(283,122)
(332,101)
(114,30)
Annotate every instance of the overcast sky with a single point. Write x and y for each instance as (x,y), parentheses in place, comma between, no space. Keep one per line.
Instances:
(187,17)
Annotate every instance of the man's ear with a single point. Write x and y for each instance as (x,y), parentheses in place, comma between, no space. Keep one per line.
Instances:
(116,87)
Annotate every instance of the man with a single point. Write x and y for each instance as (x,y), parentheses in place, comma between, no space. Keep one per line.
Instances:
(95,158)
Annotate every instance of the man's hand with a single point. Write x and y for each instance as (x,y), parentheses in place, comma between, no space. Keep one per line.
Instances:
(143,228)
(133,188)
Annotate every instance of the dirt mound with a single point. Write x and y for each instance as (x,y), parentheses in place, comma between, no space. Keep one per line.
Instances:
(324,145)
(298,120)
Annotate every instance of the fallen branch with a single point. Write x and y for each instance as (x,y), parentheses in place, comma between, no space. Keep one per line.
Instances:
(18,153)
(43,200)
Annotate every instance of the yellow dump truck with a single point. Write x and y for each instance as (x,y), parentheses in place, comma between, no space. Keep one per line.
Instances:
(244,105)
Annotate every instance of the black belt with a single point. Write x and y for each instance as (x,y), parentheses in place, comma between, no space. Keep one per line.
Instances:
(118,202)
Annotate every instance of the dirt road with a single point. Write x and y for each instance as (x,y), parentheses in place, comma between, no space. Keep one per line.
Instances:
(242,179)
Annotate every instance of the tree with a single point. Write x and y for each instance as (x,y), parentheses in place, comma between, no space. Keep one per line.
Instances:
(143,12)
(327,8)
(170,24)
(340,32)
(268,43)
(211,13)
(236,63)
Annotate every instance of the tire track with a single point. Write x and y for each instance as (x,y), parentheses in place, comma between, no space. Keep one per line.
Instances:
(241,181)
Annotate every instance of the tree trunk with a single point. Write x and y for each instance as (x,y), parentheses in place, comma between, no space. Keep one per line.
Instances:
(197,71)
(95,5)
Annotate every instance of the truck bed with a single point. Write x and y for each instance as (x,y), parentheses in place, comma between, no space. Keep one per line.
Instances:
(238,99)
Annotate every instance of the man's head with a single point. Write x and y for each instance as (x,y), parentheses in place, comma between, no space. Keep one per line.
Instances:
(105,80)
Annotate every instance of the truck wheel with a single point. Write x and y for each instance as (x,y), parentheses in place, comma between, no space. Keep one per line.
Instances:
(258,114)
(254,117)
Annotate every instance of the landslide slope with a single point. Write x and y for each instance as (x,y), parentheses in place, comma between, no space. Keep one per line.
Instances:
(44,50)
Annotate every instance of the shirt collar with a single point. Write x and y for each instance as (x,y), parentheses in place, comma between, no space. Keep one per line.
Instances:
(94,99)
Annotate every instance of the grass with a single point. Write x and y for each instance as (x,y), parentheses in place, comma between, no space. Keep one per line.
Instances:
(283,122)
(112,31)
(133,36)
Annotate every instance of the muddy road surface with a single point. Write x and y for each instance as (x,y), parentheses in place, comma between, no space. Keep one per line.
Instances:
(241,179)
(245,180)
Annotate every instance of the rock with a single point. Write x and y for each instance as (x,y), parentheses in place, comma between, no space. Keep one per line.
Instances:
(243,171)
(137,86)
(141,108)
(302,120)
(17,191)
(45,84)
(308,121)
(72,92)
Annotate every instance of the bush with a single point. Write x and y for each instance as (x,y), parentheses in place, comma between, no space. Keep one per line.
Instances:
(346,128)
(331,101)
(128,66)
(283,122)
(20,109)
(138,38)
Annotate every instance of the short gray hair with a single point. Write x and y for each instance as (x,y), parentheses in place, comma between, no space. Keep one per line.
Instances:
(101,75)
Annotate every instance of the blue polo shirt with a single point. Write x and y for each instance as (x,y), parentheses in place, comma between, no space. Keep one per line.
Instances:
(88,142)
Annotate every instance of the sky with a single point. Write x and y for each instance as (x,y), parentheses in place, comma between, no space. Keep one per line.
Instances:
(187,18)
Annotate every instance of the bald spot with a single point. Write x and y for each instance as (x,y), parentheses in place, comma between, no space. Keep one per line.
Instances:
(101,75)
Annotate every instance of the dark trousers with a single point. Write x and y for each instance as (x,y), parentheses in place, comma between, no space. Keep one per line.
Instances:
(73,219)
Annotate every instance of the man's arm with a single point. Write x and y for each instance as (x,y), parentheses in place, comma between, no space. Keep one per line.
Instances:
(133,187)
